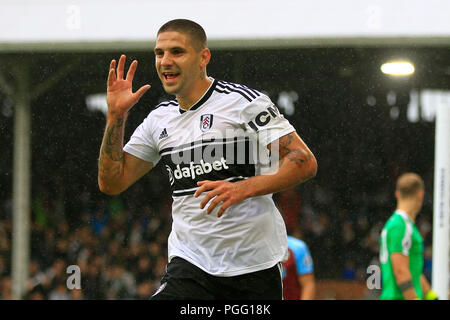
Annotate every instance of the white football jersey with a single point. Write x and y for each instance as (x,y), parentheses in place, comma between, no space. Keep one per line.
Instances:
(224,136)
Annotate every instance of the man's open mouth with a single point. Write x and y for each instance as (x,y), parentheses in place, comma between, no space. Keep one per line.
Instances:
(170,76)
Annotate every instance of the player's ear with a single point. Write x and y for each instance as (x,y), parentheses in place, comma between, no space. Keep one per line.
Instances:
(205,57)
(397,195)
(421,194)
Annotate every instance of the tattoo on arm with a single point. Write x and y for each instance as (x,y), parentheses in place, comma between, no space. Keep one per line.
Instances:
(113,141)
(406,285)
(112,149)
(290,153)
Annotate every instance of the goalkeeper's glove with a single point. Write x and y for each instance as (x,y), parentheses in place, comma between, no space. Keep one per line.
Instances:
(431,295)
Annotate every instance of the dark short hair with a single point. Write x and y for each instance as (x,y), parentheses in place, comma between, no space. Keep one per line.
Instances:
(193,29)
(409,184)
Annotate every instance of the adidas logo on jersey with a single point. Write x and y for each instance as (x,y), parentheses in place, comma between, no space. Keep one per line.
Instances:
(163,134)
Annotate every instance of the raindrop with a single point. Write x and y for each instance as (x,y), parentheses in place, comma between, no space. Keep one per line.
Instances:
(371,101)
(394,113)
(7,109)
(391,98)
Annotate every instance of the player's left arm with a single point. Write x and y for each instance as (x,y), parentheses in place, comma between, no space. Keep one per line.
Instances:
(297,165)
(308,285)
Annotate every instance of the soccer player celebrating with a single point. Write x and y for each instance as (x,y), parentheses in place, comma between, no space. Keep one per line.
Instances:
(227,238)
(401,251)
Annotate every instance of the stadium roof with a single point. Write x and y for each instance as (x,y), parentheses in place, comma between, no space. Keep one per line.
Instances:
(49,25)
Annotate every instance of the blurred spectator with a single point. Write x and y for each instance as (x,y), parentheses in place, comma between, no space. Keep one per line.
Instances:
(59,292)
(36,294)
(3,267)
(144,290)
(76,294)
(56,274)
(36,276)
(99,221)
(120,284)
(144,270)
(93,279)
(349,272)
(5,288)
(428,263)
(136,232)
(348,234)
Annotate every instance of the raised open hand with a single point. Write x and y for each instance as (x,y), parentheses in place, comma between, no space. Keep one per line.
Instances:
(120,96)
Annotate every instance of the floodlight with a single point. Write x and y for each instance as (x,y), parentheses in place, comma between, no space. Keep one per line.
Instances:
(398,68)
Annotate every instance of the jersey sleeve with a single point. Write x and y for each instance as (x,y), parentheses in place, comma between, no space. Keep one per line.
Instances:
(303,259)
(398,238)
(142,143)
(264,118)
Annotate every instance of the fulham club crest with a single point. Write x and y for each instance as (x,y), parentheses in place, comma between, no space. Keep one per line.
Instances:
(206,121)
